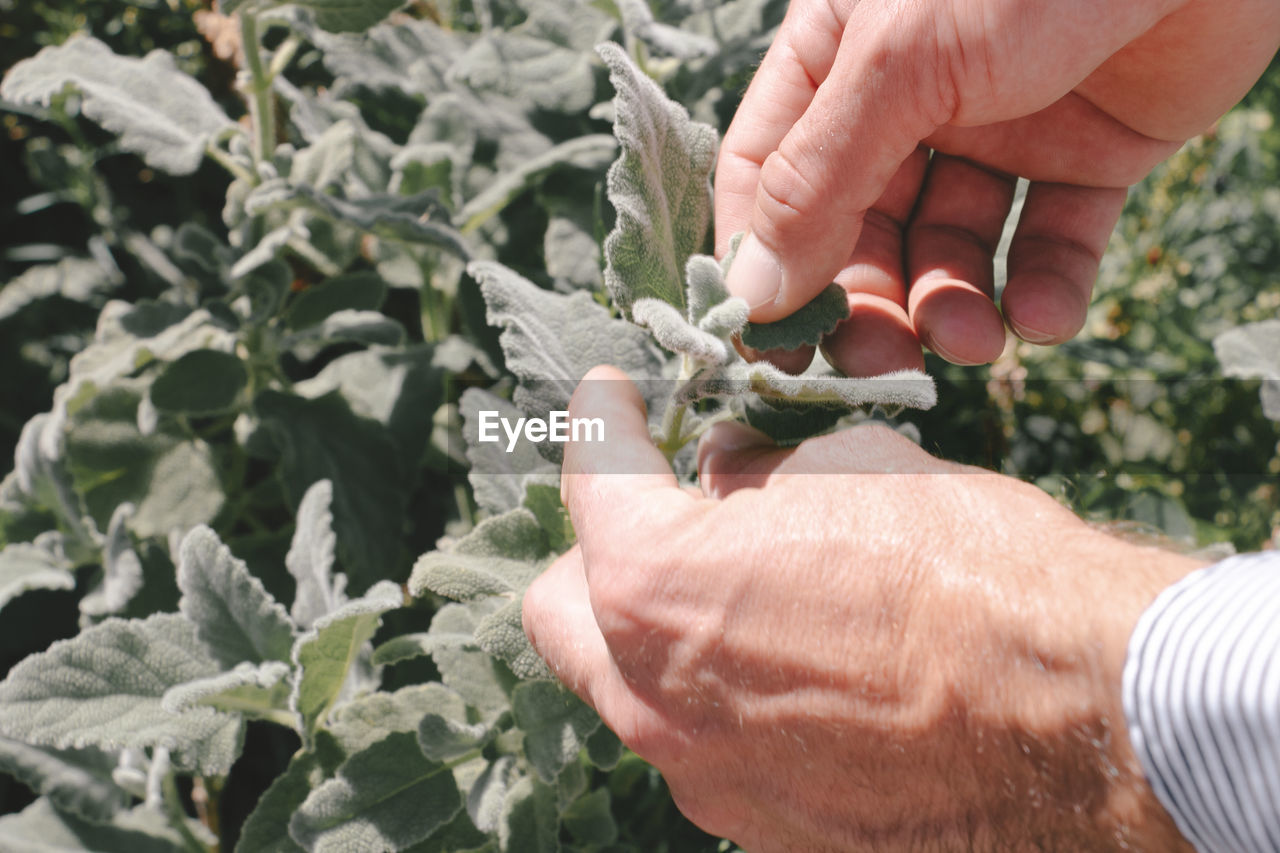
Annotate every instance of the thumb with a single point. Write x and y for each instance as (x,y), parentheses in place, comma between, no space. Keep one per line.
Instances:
(837,106)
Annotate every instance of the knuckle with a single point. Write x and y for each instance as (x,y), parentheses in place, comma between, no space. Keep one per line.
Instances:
(785,196)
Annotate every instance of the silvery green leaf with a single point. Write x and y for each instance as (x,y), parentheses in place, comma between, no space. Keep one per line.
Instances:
(168,475)
(530,69)
(409,646)
(551,340)
(589,819)
(594,151)
(25,567)
(500,479)
(318,591)
(501,556)
(387,797)
(104,688)
(489,791)
(410,55)
(638,19)
(571,252)
(336,16)
(788,423)
(267,828)
(42,828)
(76,279)
(805,327)
(398,387)
(817,386)
(445,734)
(234,615)
(326,654)
(502,635)
(726,319)
(470,672)
(530,822)
(389,217)
(356,291)
(322,439)
(555,722)
(121,569)
(158,111)
(272,244)
(328,161)
(1252,351)
(258,691)
(362,722)
(676,334)
(202,382)
(659,186)
(704,280)
(361,327)
(604,749)
(75,780)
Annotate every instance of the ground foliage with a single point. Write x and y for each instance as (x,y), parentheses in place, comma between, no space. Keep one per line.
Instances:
(258,589)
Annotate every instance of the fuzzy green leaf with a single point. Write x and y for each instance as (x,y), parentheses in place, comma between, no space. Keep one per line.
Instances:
(529,69)
(267,828)
(589,819)
(158,112)
(358,291)
(122,575)
(26,567)
(556,725)
(202,382)
(360,327)
(325,654)
(105,686)
(409,646)
(805,327)
(551,340)
(318,590)
(336,16)
(362,722)
(489,791)
(530,822)
(660,187)
(678,335)
(704,279)
(235,617)
(41,828)
(260,692)
(76,279)
(322,439)
(387,797)
(502,635)
(817,386)
(500,479)
(604,749)
(75,780)
(474,674)
(501,556)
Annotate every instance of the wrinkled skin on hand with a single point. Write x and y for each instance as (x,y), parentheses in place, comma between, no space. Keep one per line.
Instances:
(851,645)
(827,162)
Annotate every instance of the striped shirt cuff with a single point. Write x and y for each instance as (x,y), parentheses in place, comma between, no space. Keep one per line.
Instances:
(1202,701)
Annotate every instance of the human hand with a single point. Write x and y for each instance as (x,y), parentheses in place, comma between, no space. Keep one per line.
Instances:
(852,644)
(827,163)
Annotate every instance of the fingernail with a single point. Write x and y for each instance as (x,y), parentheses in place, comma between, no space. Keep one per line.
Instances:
(947,354)
(1031,336)
(756,274)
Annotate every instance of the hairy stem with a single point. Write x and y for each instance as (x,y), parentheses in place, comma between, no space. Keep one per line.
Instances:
(178,816)
(261,108)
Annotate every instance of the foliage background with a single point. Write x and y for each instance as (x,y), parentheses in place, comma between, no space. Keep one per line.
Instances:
(1130,424)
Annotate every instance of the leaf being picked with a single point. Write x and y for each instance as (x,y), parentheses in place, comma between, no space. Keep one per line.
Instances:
(660,187)
(234,615)
(158,111)
(105,687)
(816,386)
(387,797)
(678,335)
(805,327)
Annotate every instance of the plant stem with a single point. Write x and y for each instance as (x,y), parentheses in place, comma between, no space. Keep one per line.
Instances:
(224,160)
(178,816)
(261,108)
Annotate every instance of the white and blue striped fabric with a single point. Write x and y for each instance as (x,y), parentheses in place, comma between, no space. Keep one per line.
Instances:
(1202,701)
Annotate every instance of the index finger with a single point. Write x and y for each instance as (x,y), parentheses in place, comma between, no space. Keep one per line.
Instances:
(614,479)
